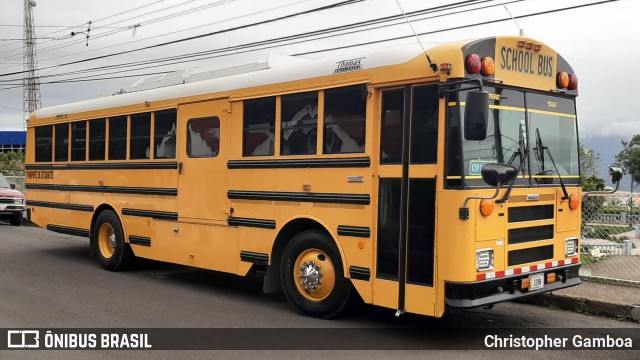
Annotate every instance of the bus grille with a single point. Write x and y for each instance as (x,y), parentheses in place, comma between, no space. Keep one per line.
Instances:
(523,256)
(534,233)
(530,213)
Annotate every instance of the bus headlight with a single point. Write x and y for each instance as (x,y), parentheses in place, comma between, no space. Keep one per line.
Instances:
(484,259)
(571,246)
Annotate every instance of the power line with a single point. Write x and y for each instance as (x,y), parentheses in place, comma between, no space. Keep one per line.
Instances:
(101,19)
(322,8)
(100,76)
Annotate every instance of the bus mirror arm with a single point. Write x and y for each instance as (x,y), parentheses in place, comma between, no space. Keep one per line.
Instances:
(615,173)
(444,89)
(463,212)
(494,175)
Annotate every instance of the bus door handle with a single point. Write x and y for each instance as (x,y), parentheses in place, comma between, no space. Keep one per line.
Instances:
(179,168)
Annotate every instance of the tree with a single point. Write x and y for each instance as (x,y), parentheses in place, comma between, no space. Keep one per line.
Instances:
(589,160)
(589,168)
(629,157)
(12,163)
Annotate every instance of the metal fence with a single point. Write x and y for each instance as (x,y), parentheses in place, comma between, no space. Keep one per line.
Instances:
(610,244)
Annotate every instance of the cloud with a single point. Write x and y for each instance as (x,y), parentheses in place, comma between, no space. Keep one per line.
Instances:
(10,121)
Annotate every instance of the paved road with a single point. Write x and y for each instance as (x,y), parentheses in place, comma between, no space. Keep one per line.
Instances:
(49,280)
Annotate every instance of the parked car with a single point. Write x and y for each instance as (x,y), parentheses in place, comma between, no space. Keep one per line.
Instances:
(12,202)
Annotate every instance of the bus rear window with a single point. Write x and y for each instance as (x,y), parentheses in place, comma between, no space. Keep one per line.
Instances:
(44,143)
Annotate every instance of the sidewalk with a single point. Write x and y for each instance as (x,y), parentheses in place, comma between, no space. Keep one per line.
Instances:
(596,298)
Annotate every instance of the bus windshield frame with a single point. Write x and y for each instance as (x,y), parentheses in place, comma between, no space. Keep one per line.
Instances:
(539,129)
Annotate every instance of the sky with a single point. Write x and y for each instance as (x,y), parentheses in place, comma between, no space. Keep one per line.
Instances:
(599,41)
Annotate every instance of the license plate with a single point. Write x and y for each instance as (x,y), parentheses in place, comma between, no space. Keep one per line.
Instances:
(536,281)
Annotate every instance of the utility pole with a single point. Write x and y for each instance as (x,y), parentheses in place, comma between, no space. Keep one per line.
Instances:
(30,82)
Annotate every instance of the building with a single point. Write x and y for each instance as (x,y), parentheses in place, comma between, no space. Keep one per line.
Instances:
(13,141)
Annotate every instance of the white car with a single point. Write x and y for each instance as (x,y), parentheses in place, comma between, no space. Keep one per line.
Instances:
(12,203)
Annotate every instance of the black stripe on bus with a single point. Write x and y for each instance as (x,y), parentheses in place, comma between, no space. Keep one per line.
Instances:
(257,223)
(159,215)
(55,205)
(356,199)
(106,166)
(359,273)
(253,257)
(139,240)
(68,230)
(356,231)
(106,189)
(359,162)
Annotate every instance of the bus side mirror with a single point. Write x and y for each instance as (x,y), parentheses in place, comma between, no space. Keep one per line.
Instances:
(615,173)
(494,174)
(476,115)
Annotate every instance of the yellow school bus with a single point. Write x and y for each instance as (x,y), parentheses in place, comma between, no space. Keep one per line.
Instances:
(415,181)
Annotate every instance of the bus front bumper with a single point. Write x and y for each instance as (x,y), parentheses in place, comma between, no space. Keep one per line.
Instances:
(487,292)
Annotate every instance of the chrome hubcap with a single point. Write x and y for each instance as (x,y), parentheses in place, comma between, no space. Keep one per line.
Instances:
(309,275)
(112,240)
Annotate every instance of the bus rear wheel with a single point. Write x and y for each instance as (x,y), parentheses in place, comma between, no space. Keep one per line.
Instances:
(107,242)
(312,275)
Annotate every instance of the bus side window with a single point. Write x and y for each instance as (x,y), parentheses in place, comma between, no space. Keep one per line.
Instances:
(79,141)
(345,120)
(44,143)
(299,124)
(97,135)
(165,134)
(391,131)
(203,139)
(118,138)
(140,140)
(62,142)
(259,123)
(424,125)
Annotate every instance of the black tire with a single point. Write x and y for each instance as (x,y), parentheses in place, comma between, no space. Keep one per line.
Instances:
(310,243)
(16,220)
(114,254)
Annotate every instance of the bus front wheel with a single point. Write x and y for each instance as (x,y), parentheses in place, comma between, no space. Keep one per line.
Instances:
(107,242)
(312,275)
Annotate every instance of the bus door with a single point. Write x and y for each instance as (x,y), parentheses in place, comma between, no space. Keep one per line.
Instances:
(405,262)
(202,184)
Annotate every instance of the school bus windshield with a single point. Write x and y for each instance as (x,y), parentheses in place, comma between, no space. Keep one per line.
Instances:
(534,132)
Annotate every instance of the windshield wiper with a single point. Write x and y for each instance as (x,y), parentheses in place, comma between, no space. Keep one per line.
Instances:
(521,152)
(539,151)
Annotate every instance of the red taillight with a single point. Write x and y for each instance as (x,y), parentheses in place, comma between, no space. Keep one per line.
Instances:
(472,64)
(573,82)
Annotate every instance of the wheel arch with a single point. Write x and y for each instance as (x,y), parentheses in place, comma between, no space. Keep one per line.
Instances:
(293,227)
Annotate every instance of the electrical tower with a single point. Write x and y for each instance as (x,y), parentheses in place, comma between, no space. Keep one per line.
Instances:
(30,83)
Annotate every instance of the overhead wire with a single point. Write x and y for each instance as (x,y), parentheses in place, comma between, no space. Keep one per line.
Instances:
(100,76)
